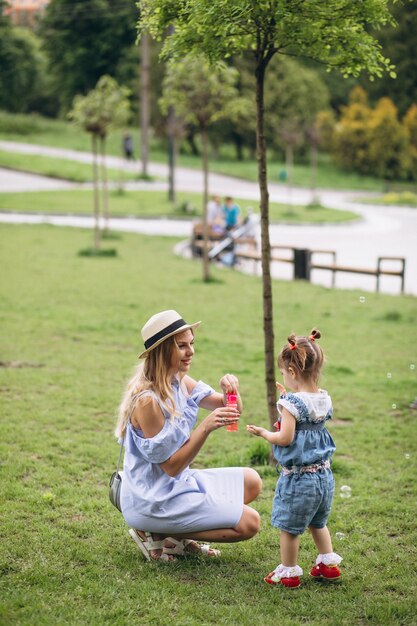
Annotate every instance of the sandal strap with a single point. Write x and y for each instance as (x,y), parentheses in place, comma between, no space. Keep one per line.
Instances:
(177,548)
(151,544)
(205,549)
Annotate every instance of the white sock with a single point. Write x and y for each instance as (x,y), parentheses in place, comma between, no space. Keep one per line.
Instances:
(331,558)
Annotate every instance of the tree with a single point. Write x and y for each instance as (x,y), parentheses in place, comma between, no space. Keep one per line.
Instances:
(351,138)
(144,102)
(201,96)
(85,39)
(23,81)
(104,108)
(400,44)
(388,142)
(371,141)
(410,125)
(333,32)
(320,134)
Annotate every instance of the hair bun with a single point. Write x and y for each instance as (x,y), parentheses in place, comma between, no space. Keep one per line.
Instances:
(315,334)
(291,340)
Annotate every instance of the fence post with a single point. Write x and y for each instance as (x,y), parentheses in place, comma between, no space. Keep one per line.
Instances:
(302,263)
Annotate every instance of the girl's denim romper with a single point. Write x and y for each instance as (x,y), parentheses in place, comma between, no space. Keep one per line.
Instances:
(305,488)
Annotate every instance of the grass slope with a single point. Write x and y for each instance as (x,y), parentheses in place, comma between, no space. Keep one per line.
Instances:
(69,339)
(155,204)
(57,168)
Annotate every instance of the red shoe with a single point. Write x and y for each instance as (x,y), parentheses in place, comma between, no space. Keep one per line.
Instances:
(292,582)
(329,572)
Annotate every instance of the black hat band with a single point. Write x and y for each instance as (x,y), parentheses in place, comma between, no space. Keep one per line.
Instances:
(164,332)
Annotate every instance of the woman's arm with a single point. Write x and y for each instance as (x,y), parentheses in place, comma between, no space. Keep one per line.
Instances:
(228,383)
(149,418)
(281,438)
(186,454)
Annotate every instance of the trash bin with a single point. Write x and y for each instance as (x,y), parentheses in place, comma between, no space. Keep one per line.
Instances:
(302,263)
(282,176)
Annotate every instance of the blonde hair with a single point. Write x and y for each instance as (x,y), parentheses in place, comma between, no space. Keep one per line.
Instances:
(154,374)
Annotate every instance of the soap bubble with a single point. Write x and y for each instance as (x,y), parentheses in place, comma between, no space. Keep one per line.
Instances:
(407,456)
(362,299)
(340,536)
(389,375)
(345,491)
(394,406)
(412,367)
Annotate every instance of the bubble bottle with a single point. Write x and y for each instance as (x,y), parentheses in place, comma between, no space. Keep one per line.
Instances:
(232,402)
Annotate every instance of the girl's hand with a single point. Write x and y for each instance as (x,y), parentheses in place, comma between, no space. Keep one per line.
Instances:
(220,417)
(281,388)
(229,383)
(256,430)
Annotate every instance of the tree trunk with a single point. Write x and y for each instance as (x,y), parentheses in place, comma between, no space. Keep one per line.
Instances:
(289,162)
(313,173)
(104,186)
(191,141)
(268,326)
(144,102)
(206,267)
(96,194)
(171,154)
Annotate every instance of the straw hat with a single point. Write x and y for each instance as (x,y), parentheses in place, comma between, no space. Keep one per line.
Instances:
(161,326)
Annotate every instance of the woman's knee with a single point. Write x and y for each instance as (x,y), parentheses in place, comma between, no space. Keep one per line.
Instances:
(252,484)
(249,523)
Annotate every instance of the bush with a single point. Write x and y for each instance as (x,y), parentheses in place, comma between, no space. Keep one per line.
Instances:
(20,124)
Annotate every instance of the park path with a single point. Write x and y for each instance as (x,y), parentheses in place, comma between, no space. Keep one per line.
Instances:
(381,231)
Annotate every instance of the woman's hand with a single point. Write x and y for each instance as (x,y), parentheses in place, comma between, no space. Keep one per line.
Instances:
(229,383)
(221,416)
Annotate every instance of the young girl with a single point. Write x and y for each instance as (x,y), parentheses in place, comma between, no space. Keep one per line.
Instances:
(303,447)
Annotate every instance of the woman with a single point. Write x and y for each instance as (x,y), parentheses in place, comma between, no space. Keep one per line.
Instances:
(168,505)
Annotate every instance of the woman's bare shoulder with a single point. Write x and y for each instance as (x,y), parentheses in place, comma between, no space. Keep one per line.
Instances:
(147,415)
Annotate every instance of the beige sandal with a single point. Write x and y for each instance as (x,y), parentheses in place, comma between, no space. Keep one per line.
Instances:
(180,545)
(147,545)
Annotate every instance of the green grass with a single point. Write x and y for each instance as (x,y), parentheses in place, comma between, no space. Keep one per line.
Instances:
(155,204)
(59,133)
(58,168)
(404,198)
(69,340)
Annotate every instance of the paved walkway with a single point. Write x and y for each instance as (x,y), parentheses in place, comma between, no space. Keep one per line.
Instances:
(382,231)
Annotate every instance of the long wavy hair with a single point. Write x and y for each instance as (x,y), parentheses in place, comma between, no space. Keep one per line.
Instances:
(154,374)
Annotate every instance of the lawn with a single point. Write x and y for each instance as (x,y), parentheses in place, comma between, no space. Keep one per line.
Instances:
(59,133)
(69,340)
(156,204)
(58,168)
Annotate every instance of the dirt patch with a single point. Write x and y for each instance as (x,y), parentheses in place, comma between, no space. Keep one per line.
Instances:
(19,364)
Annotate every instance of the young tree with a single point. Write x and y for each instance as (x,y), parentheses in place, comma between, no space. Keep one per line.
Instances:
(201,96)
(335,32)
(104,108)
(144,101)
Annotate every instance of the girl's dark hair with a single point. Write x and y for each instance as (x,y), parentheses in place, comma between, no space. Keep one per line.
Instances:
(303,354)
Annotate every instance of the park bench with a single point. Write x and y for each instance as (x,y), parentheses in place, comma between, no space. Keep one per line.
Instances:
(215,237)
